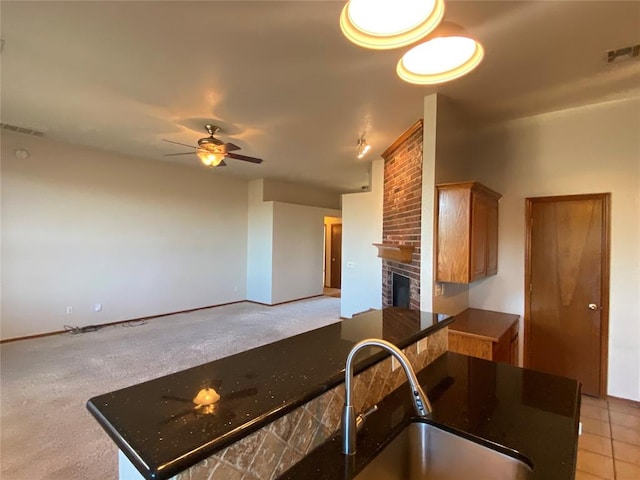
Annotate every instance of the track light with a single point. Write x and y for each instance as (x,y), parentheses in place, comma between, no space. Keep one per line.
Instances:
(363,147)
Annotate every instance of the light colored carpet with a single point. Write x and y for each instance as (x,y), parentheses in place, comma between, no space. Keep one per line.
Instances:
(46,431)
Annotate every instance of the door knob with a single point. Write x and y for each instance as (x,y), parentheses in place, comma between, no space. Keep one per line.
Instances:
(593,306)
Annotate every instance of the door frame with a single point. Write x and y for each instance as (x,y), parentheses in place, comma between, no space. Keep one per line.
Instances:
(331,276)
(604,287)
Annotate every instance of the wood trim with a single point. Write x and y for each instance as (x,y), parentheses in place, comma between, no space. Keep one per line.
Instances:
(401,139)
(29,337)
(109,324)
(526,354)
(283,303)
(580,196)
(606,259)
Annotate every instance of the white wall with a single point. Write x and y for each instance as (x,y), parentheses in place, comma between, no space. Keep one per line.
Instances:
(298,240)
(285,247)
(285,192)
(259,245)
(81,226)
(361,227)
(428,201)
(591,149)
(451,154)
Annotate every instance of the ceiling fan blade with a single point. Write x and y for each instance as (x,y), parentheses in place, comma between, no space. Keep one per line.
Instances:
(178,143)
(231,147)
(244,157)
(174,154)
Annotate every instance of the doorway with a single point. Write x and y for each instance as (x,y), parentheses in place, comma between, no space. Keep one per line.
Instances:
(567,277)
(333,256)
(336,255)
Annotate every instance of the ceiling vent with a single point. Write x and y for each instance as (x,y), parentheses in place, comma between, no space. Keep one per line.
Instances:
(623,54)
(23,130)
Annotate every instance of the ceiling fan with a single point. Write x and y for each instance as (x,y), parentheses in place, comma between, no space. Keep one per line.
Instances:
(212,151)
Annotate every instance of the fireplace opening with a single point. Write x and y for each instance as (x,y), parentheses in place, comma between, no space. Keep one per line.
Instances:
(401,293)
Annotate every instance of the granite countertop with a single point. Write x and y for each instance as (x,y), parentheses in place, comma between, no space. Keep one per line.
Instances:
(483,323)
(531,414)
(157,425)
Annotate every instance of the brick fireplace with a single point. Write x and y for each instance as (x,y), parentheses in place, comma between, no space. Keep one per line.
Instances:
(402,212)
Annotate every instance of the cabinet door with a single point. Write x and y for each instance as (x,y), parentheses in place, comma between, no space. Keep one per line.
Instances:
(479,224)
(492,238)
(502,350)
(470,345)
(452,247)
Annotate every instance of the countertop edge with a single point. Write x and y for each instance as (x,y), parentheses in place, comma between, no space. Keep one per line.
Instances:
(478,319)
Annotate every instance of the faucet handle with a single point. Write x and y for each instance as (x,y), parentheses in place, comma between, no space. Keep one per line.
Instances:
(421,401)
(363,416)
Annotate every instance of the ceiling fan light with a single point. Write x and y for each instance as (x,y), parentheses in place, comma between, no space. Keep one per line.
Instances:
(387,24)
(210,159)
(446,55)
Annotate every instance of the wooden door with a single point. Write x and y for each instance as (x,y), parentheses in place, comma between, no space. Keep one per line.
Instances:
(567,273)
(336,255)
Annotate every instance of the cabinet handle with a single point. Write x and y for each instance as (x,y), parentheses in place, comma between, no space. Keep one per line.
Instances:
(593,306)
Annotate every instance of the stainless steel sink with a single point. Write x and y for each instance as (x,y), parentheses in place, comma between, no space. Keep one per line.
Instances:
(424,451)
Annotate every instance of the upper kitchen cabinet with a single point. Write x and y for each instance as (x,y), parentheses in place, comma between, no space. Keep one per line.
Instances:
(467,232)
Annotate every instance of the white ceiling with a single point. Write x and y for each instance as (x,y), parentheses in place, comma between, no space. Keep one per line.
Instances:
(280,78)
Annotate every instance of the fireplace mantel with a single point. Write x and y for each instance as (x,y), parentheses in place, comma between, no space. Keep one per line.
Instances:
(395,252)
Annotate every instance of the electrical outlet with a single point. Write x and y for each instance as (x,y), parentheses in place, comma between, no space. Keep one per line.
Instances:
(69,310)
(97,307)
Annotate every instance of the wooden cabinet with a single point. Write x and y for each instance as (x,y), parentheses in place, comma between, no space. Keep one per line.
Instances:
(485,334)
(467,232)
(513,356)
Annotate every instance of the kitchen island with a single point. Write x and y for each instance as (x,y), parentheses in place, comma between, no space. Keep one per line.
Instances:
(274,403)
(274,411)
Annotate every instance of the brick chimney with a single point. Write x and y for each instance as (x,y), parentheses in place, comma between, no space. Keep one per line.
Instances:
(402,210)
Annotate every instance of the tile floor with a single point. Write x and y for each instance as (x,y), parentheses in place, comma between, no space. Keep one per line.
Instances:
(609,447)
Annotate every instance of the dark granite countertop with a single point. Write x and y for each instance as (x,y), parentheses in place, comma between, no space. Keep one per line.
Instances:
(531,414)
(158,427)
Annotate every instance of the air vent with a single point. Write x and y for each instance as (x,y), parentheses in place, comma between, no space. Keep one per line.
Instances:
(23,130)
(623,54)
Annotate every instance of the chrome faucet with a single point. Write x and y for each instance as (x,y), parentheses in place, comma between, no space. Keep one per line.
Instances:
(352,423)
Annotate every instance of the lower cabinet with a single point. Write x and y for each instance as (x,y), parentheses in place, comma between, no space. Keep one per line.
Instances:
(485,334)
(513,354)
